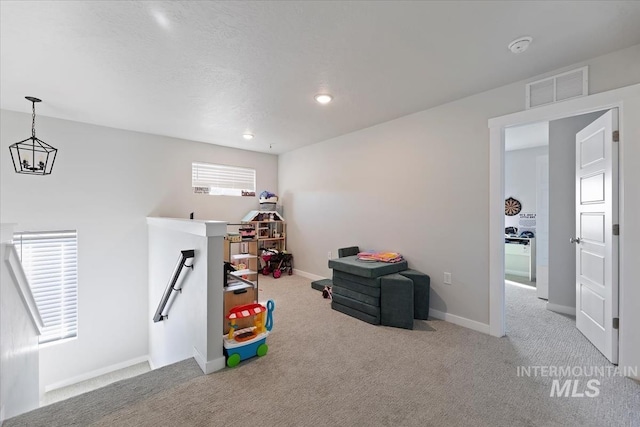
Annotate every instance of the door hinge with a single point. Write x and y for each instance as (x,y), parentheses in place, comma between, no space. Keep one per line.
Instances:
(616,136)
(616,229)
(616,322)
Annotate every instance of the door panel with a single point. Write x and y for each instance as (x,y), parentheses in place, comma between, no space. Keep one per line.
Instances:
(592,267)
(592,189)
(596,246)
(592,149)
(592,226)
(592,306)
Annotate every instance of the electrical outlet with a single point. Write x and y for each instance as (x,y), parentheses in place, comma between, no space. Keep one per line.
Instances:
(447,278)
(329,255)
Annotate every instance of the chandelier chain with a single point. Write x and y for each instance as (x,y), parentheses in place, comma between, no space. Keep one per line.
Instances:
(33,119)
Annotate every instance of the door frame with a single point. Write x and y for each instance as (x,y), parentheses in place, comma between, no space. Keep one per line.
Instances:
(575,107)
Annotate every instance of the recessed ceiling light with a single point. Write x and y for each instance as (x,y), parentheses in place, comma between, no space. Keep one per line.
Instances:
(520,44)
(323,98)
(248,136)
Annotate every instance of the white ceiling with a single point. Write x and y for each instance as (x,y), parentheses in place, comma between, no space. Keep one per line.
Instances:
(209,71)
(526,136)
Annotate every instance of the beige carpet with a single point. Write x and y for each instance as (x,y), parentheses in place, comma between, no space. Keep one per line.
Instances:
(327,369)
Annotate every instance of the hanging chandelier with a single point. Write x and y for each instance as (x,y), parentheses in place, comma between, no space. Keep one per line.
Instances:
(32,155)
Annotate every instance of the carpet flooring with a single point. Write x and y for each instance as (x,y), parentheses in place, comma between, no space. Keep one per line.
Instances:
(327,369)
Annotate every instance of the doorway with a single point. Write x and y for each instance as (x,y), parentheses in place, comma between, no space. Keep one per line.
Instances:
(540,178)
(594,103)
(526,165)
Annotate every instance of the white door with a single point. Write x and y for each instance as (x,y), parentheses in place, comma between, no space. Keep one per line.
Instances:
(596,242)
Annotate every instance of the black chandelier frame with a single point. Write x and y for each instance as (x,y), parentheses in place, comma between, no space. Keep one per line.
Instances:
(32,155)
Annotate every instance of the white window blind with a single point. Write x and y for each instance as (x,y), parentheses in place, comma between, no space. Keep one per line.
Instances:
(50,262)
(222,180)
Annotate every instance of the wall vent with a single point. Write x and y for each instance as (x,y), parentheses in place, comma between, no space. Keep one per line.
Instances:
(572,84)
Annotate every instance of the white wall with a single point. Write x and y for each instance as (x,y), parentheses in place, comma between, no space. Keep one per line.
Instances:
(194,324)
(173,339)
(629,234)
(418,185)
(562,207)
(19,388)
(104,184)
(520,180)
(542,225)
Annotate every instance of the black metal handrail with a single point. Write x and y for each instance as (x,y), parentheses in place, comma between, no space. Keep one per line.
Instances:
(184,256)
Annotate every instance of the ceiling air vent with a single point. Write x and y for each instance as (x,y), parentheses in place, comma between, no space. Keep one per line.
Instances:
(560,87)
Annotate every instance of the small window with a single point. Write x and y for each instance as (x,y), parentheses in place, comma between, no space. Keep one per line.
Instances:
(50,262)
(222,180)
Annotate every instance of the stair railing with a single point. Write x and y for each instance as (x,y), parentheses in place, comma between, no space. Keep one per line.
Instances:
(184,256)
(22,284)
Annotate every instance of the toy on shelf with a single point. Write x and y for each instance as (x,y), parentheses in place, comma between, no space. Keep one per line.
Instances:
(242,344)
(268,197)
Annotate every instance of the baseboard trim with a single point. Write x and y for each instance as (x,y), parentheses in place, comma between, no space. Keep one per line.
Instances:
(96,373)
(460,321)
(518,273)
(210,366)
(307,275)
(563,309)
(520,285)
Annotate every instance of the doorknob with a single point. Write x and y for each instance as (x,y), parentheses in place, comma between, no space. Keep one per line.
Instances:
(574,240)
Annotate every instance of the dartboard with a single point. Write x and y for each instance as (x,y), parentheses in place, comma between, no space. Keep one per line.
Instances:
(512,207)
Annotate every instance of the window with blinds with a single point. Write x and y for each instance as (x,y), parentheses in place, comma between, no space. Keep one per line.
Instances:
(50,262)
(222,180)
